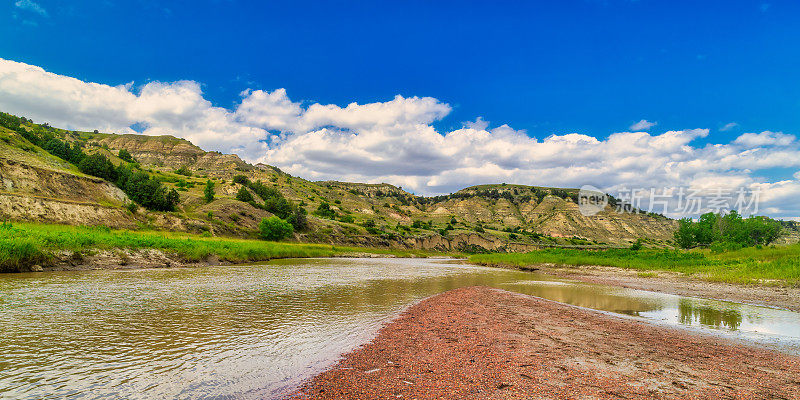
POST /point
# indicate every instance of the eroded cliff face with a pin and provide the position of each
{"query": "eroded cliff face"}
(39, 187)
(172, 153)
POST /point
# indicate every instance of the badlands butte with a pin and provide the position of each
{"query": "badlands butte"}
(40, 187)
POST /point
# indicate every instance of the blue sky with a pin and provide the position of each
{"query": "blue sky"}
(546, 68)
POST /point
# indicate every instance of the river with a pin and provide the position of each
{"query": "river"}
(257, 331)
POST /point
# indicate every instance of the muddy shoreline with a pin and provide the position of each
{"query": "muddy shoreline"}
(125, 259)
(480, 343)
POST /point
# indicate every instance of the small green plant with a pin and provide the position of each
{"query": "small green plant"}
(132, 207)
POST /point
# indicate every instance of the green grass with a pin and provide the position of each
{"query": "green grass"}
(766, 266)
(25, 244)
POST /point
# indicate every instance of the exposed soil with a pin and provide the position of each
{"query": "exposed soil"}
(480, 343)
(675, 283)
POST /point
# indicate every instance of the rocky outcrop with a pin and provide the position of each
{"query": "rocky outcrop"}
(172, 153)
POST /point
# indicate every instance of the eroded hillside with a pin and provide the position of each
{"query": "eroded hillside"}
(41, 187)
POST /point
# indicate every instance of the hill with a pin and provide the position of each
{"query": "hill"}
(39, 186)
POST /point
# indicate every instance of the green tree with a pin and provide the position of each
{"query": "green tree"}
(98, 165)
(274, 228)
(325, 211)
(244, 195)
(209, 191)
(241, 179)
(126, 156)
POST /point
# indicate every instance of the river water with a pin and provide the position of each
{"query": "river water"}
(257, 331)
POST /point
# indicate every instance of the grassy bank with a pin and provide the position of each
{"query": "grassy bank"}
(25, 244)
(773, 265)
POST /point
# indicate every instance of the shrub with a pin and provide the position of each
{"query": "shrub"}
(241, 179)
(208, 192)
(274, 228)
(126, 156)
(98, 165)
(325, 211)
(244, 195)
(183, 171)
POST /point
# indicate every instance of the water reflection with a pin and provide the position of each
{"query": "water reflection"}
(589, 296)
(705, 314)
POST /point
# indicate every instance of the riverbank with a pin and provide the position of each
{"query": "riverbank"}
(486, 343)
(777, 266)
(41, 247)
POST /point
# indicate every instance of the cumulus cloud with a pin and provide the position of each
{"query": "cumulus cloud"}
(395, 141)
(765, 138)
(642, 125)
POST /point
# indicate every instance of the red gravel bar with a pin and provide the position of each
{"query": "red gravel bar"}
(483, 343)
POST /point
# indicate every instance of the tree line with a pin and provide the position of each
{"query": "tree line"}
(729, 229)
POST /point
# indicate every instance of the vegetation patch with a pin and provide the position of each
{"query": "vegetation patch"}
(25, 244)
(759, 265)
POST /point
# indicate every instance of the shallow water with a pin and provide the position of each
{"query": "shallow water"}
(257, 331)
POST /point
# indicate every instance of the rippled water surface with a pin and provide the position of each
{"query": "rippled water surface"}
(257, 331)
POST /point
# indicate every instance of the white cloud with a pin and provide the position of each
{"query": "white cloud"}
(642, 125)
(394, 141)
(31, 6)
(729, 126)
(765, 138)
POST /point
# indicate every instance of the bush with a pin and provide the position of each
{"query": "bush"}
(126, 156)
(149, 193)
(274, 228)
(637, 245)
(244, 195)
(183, 171)
(98, 165)
(241, 179)
(325, 211)
(208, 192)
